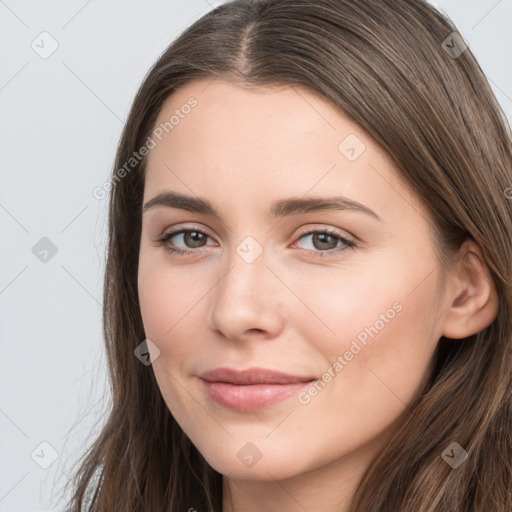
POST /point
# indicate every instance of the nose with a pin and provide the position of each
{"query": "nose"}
(247, 300)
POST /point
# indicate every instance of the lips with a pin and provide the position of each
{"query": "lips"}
(252, 389)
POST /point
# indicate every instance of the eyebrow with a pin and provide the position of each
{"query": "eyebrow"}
(279, 208)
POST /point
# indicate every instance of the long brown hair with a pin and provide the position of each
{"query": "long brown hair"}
(388, 66)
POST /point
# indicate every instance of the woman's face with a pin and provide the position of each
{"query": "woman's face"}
(353, 312)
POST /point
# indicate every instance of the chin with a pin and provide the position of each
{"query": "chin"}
(248, 460)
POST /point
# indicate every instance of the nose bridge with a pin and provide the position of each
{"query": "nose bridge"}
(245, 296)
(250, 250)
(247, 269)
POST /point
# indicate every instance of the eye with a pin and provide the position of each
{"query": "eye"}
(324, 241)
(191, 237)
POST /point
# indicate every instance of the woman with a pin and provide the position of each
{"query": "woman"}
(308, 285)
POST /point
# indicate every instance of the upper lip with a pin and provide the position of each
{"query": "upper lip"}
(252, 376)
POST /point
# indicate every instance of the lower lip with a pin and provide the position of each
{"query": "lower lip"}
(253, 397)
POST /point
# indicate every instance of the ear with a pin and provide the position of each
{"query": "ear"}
(473, 300)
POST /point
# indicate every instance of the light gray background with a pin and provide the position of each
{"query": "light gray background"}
(61, 118)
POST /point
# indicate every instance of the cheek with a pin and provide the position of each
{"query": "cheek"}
(375, 334)
(168, 305)
(344, 307)
(400, 355)
(392, 354)
(166, 301)
(374, 366)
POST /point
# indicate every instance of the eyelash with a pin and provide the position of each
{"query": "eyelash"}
(349, 244)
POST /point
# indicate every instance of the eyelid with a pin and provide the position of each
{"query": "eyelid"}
(180, 229)
(330, 229)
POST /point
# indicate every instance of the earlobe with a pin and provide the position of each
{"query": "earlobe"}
(474, 304)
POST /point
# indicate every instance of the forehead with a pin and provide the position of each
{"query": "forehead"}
(228, 116)
(218, 138)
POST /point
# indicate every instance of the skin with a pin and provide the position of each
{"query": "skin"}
(289, 310)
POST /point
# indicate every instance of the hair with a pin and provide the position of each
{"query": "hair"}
(383, 64)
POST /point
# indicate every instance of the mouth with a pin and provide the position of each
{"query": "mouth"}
(252, 389)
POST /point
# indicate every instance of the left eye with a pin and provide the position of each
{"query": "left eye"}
(324, 242)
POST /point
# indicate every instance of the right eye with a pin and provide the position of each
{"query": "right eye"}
(189, 236)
